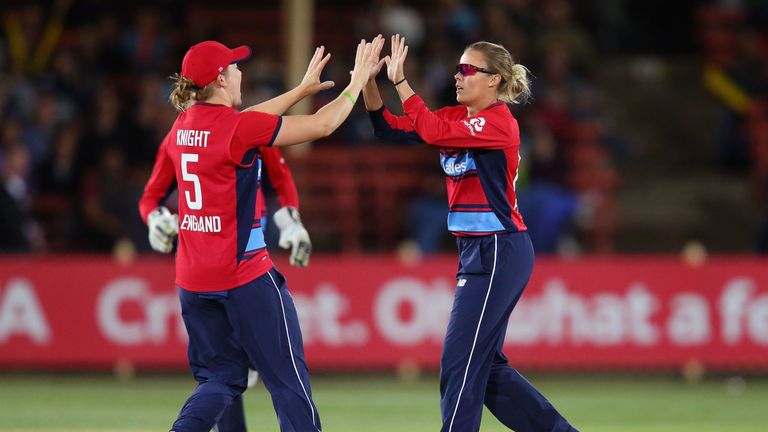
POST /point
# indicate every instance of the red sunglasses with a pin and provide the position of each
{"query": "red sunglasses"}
(469, 70)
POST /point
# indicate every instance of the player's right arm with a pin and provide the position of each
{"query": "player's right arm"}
(160, 184)
(163, 226)
(309, 86)
(303, 128)
(392, 128)
(386, 126)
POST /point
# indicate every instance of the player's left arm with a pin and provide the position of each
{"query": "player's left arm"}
(309, 86)
(486, 131)
(489, 131)
(280, 177)
(293, 235)
(386, 126)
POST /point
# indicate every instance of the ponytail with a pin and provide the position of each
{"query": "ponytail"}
(517, 89)
(185, 92)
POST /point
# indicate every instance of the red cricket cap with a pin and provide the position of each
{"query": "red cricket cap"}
(205, 61)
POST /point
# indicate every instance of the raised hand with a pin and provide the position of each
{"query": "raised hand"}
(311, 81)
(396, 59)
(377, 44)
(364, 63)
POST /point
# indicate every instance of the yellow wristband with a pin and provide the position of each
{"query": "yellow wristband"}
(350, 97)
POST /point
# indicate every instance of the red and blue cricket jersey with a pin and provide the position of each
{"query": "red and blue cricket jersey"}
(479, 156)
(214, 153)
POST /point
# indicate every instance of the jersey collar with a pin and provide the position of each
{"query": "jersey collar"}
(491, 106)
(208, 104)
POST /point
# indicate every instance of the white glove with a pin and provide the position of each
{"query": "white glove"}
(163, 229)
(253, 378)
(293, 235)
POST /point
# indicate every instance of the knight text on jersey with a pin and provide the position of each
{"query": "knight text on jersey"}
(192, 138)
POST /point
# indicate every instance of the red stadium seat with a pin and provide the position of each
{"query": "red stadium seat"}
(356, 198)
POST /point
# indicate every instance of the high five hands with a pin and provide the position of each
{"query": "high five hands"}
(396, 59)
(366, 60)
(367, 56)
(395, 62)
(376, 45)
(367, 64)
(311, 82)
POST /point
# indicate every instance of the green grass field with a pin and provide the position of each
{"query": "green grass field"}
(592, 403)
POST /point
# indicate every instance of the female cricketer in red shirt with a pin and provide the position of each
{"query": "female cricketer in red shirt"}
(235, 304)
(479, 145)
(164, 228)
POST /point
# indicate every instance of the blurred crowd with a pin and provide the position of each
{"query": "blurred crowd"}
(83, 106)
(83, 94)
(734, 43)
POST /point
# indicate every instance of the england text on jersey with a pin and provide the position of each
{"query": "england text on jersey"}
(201, 223)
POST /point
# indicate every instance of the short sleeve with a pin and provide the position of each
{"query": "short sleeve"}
(488, 129)
(254, 129)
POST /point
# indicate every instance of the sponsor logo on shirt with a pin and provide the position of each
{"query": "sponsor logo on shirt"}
(455, 166)
(470, 127)
(477, 123)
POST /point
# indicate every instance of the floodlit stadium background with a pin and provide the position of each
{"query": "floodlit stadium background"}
(644, 184)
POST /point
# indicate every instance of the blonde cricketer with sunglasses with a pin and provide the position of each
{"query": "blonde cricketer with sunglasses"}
(479, 143)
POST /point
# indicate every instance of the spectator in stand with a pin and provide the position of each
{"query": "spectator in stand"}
(548, 207)
(18, 231)
(31, 41)
(69, 82)
(149, 121)
(422, 213)
(108, 128)
(57, 202)
(39, 132)
(741, 88)
(108, 197)
(460, 21)
(556, 23)
(145, 44)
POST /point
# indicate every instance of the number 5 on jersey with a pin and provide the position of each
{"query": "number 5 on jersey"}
(194, 200)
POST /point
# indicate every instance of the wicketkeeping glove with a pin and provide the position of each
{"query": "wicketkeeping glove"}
(253, 378)
(163, 229)
(293, 235)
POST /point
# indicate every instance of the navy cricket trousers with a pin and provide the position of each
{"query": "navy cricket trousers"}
(253, 325)
(493, 272)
